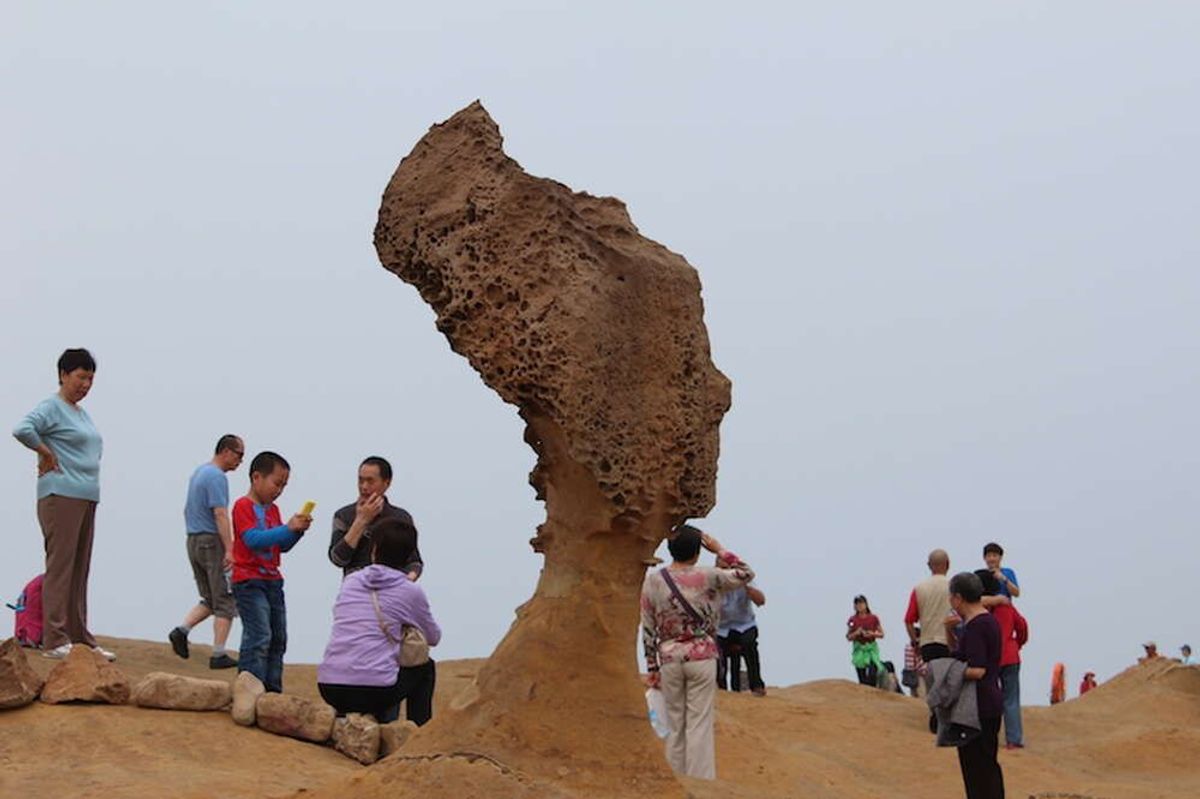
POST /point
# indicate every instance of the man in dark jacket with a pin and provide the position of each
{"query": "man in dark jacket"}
(350, 546)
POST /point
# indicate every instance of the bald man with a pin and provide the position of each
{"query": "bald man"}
(928, 607)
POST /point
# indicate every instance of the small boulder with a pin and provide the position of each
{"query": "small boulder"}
(246, 690)
(284, 714)
(19, 683)
(356, 736)
(176, 692)
(85, 676)
(394, 735)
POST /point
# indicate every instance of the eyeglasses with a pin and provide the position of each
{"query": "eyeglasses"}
(241, 453)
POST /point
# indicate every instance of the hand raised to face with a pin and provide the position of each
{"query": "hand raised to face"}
(369, 508)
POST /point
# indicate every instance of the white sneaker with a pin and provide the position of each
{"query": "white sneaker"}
(58, 652)
(109, 656)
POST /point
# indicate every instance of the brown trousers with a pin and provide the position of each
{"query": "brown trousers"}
(68, 525)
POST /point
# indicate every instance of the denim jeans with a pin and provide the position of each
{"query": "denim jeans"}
(264, 630)
(1010, 684)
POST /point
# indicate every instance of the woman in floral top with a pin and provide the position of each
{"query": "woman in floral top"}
(681, 605)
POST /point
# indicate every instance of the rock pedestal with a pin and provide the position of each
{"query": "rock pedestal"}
(596, 334)
(85, 676)
(176, 692)
(295, 716)
(19, 683)
(356, 735)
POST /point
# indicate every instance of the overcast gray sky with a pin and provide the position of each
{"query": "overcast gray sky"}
(949, 256)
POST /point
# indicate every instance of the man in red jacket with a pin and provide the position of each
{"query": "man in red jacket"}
(1014, 632)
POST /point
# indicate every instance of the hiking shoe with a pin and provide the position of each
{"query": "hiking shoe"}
(58, 652)
(759, 691)
(1014, 746)
(179, 644)
(109, 656)
(221, 661)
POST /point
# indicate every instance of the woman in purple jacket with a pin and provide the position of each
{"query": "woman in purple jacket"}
(359, 672)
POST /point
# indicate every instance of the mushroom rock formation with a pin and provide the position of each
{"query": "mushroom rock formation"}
(596, 334)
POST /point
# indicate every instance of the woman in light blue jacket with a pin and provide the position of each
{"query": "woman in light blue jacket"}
(68, 447)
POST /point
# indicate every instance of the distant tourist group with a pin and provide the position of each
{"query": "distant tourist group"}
(378, 650)
(966, 635)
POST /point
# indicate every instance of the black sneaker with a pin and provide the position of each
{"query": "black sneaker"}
(179, 642)
(221, 661)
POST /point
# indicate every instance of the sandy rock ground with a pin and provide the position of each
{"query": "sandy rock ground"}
(1136, 737)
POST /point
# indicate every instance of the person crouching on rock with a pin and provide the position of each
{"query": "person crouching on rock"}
(680, 608)
(360, 671)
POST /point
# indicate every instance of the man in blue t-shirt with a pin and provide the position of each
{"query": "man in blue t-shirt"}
(993, 553)
(209, 548)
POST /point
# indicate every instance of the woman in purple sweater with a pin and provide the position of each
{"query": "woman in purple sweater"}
(359, 672)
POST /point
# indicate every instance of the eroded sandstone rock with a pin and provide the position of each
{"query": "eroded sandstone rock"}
(19, 683)
(85, 676)
(295, 716)
(394, 735)
(246, 690)
(356, 735)
(566, 311)
(597, 335)
(176, 692)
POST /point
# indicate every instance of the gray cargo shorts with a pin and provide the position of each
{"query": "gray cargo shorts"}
(207, 554)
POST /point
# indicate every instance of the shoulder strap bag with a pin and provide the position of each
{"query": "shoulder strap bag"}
(413, 648)
(702, 627)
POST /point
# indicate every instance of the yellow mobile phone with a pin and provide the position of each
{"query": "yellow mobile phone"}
(307, 508)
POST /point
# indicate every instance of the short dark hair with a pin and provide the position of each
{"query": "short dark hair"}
(385, 468)
(968, 586)
(993, 547)
(264, 463)
(74, 359)
(227, 441)
(991, 586)
(393, 543)
(685, 545)
(863, 599)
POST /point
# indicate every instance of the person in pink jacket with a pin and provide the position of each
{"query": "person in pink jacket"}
(359, 672)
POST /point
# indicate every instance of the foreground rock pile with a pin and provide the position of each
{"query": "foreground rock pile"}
(86, 676)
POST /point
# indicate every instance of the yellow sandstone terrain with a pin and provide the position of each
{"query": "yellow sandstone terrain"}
(1135, 737)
